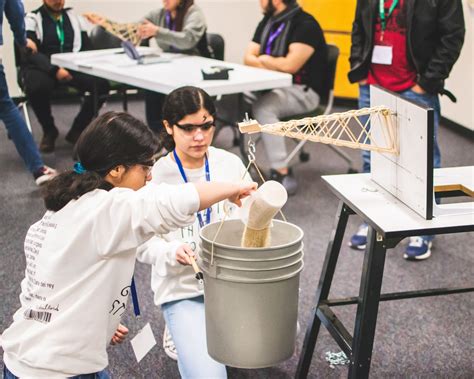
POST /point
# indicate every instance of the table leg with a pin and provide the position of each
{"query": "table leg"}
(324, 285)
(368, 304)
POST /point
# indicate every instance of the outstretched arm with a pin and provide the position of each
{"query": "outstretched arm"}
(213, 192)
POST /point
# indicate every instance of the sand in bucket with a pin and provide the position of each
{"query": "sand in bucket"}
(258, 212)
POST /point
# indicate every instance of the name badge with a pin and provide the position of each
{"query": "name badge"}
(382, 55)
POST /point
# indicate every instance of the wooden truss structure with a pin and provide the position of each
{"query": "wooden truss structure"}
(125, 32)
(349, 129)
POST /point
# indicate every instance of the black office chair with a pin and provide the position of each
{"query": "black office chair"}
(102, 39)
(216, 45)
(324, 108)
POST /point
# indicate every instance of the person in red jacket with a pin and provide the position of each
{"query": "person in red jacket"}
(408, 47)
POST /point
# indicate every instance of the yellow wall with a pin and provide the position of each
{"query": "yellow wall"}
(335, 17)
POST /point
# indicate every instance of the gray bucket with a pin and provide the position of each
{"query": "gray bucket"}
(251, 295)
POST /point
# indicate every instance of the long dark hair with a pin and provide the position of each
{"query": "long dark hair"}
(112, 139)
(180, 103)
(181, 11)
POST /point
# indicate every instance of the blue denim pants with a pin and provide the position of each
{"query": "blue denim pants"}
(17, 129)
(97, 375)
(187, 325)
(428, 100)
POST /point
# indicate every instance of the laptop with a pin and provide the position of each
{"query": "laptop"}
(143, 58)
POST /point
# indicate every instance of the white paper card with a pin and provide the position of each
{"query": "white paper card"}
(382, 55)
(143, 342)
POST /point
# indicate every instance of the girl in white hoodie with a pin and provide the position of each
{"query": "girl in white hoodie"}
(189, 116)
(80, 256)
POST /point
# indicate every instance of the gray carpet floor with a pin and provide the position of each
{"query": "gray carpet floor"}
(417, 338)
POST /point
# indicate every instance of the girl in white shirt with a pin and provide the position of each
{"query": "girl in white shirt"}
(80, 256)
(189, 116)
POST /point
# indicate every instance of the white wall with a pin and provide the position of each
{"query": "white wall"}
(461, 80)
(235, 20)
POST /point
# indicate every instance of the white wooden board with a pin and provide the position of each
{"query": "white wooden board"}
(409, 175)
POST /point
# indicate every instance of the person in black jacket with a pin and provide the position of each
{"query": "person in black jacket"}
(54, 29)
(408, 47)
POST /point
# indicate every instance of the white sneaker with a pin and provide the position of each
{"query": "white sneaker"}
(44, 174)
(168, 344)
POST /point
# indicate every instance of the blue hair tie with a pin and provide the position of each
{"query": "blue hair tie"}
(79, 168)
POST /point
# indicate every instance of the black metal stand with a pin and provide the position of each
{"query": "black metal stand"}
(358, 347)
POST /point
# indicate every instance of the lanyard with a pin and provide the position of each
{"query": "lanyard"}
(168, 21)
(59, 31)
(133, 291)
(383, 20)
(208, 178)
(273, 36)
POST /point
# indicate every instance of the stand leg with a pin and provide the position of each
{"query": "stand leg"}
(324, 286)
(367, 309)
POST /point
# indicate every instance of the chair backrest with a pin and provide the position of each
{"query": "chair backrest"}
(102, 39)
(330, 77)
(216, 45)
(333, 55)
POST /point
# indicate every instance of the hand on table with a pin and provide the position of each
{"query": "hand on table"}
(63, 75)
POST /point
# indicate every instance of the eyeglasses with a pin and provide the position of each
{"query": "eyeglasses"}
(147, 166)
(190, 128)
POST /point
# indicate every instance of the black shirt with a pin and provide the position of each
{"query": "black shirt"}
(305, 29)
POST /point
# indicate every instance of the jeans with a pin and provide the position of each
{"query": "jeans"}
(429, 100)
(17, 129)
(7, 374)
(186, 323)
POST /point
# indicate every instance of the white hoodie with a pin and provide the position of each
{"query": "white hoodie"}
(170, 280)
(79, 265)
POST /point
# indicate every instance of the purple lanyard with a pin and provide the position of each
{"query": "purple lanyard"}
(168, 22)
(273, 36)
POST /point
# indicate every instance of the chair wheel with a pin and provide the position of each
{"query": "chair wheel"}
(304, 156)
(352, 171)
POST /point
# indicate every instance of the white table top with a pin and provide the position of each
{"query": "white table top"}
(182, 70)
(391, 217)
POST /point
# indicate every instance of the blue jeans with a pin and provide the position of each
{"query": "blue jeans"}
(428, 100)
(97, 375)
(187, 325)
(17, 129)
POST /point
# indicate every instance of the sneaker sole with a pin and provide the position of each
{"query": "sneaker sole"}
(417, 257)
(356, 247)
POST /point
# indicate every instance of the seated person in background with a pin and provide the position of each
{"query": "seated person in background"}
(178, 27)
(287, 40)
(54, 29)
(189, 116)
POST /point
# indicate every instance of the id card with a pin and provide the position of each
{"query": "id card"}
(382, 55)
(143, 342)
